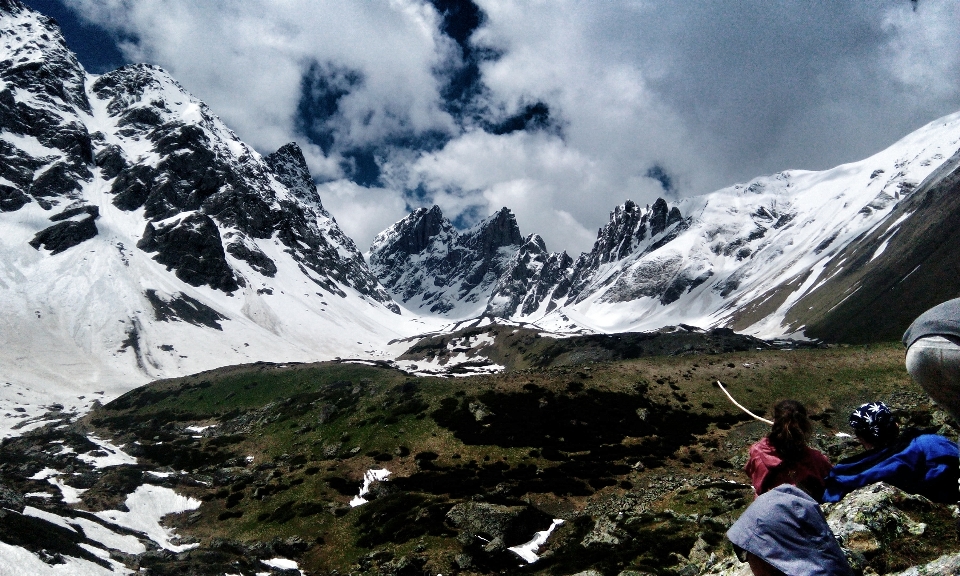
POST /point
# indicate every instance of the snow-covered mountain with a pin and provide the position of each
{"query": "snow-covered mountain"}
(750, 255)
(779, 255)
(140, 238)
(491, 269)
(876, 285)
(432, 268)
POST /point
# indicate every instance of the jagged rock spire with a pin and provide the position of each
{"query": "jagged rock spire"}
(497, 231)
(291, 169)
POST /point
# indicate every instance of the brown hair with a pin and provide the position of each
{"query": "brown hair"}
(791, 429)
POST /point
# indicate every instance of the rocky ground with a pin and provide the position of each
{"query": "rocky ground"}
(639, 458)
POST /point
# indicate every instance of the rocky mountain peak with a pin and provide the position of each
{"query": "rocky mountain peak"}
(629, 226)
(534, 244)
(498, 231)
(290, 167)
(11, 6)
(417, 231)
(425, 263)
(494, 262)
(631, 231)
(423, 232)
(658, 216)
(533, 279)
(140, 87)
(36, 58)
(164, 245)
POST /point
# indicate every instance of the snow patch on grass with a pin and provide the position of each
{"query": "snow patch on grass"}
(16, 560)
(528, 551)
(113, 455)
(282, 564)
(147, 506)
(369, 478)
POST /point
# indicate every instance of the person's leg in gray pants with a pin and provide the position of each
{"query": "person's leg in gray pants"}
(934, 363)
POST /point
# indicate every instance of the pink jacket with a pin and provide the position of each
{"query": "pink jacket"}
(767, 470)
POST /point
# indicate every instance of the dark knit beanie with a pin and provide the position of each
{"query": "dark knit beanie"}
(875, 423)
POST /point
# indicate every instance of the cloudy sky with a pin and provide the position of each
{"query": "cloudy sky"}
(558, 109)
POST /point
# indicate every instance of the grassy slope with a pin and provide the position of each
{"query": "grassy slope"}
(567, 440)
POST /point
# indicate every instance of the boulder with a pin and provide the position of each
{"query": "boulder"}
(946, 564)
(605, 533)
(868, 519)
(514, 525)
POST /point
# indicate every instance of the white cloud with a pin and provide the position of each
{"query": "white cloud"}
(711, 92)
(538, 176)
(361, 212)
(246, 59)
(924, 51)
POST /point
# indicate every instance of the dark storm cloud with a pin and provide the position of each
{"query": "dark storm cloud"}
(530, 117)
(459, 20)
(656, 172)
(321, 88)
(753, 76)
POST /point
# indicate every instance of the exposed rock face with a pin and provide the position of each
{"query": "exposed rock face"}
(49, 85)
(427, 264)
(192, 247)
(198, 171)
(533, 277)
(513, 525)
(69, 231)
(632, 231)
(162, 151)
(12, 199)
(181, 307)
(291, 169)
(252, 255)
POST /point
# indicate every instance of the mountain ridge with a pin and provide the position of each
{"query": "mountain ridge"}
(742, 257)
(135, 223)
(141, 238)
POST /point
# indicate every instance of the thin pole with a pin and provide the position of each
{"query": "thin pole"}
(740, 406)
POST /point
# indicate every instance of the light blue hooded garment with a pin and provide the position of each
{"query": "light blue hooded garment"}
(785, 528)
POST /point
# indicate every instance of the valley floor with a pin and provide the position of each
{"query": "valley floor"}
(253, 469)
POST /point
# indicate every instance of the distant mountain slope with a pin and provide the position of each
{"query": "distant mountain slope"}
(492, 269)
(775, 256)
(896, 271)
(140, 238)
(431, 267)
(764, 257)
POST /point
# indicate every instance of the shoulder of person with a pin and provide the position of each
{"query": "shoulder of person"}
(937, 442)
(817, 455)
(762, 445)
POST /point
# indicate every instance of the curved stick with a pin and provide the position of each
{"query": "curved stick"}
(740, 406)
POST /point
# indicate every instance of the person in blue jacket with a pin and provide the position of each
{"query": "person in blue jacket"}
(917, 463)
